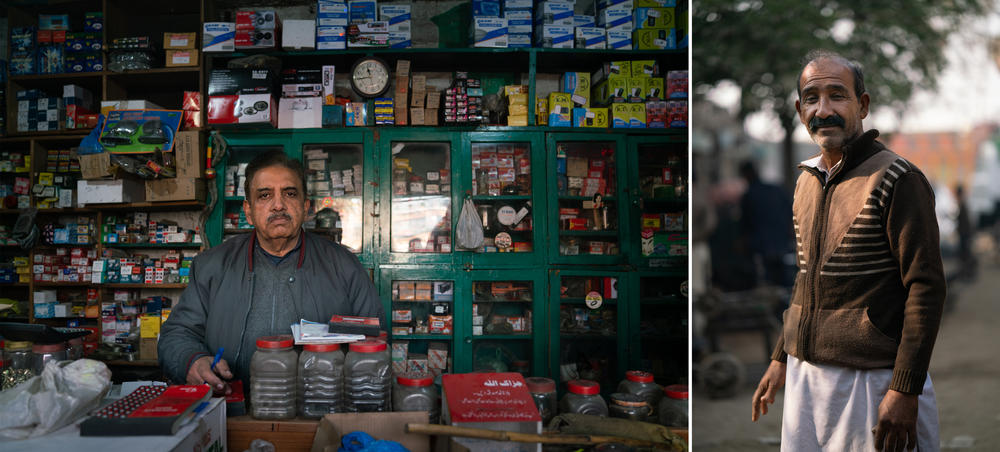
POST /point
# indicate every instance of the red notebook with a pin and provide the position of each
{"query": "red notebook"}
(149, 410)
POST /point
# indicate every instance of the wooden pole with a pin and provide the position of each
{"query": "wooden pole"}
(499, 435)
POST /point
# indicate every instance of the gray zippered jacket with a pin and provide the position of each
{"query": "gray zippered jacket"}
(213, 309)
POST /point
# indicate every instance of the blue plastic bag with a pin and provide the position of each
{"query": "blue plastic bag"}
(91, 143)
(363, 442)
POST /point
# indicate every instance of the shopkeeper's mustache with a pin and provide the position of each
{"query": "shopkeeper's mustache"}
(277, 215)
(817, 122)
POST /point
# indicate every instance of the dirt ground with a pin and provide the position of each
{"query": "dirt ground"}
(965, 369)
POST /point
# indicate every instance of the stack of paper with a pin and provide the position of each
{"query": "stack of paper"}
(306, 332)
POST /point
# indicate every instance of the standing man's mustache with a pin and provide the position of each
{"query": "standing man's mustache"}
(817, 122)
(277, 215)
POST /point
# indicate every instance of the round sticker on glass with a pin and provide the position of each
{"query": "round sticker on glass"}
(503, 240)
(506, 215)
(594, 300)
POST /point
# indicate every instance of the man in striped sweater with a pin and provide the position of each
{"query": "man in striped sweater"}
(868, 297)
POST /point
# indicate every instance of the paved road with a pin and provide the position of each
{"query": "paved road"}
(965, 370)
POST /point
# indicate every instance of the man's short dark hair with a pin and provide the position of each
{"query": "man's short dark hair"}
(821, 54)
(275, 157)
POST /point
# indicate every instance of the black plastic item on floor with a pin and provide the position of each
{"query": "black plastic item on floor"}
(38, 333)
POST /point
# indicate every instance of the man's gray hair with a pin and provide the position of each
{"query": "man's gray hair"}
(823, 54)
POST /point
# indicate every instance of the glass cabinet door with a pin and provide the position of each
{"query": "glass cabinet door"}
(422, 318)
(661, 321)
(335, 184)
(420, 198)
(501, 189)
(661, 217)
(587, 216)
(503, 325)
(589, 327)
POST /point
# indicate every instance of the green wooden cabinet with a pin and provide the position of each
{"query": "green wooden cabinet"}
(412, 187)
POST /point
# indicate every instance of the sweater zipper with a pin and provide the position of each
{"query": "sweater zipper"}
(808, 318)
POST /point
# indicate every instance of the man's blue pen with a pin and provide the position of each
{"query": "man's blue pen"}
(218, 357)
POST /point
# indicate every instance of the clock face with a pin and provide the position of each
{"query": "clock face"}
(370, 77)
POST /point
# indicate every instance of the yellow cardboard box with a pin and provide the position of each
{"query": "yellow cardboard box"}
(637, 115)
(590, 117)
(560, 110)
(621, 116)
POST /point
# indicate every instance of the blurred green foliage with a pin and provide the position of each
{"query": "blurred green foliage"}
(760, 45)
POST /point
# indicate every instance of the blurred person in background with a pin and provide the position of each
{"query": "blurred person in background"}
(965, 232)
(868, 298)
(766, 221)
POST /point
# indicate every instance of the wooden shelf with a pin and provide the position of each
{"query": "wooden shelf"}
(62, 284)
(17, 284)
(187, 245)
(143, 286)
(67, 211)
(152, 206)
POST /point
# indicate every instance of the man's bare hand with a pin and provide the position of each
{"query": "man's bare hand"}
(770, 383)
(200, 372)
(897, 422)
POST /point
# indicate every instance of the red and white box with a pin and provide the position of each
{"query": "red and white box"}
(493, 401)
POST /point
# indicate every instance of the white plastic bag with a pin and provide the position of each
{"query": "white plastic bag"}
(62, 394)
(470, 227)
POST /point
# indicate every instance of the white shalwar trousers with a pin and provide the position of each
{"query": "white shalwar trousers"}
(833, 409)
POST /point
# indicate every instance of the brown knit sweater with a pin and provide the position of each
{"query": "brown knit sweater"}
(870, 288)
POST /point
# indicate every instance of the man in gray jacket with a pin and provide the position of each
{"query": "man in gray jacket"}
(260, 283)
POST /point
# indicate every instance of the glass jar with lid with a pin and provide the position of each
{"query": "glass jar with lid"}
(641, 384)
(543, 391)
(673, 410)
(584, 397)
(628, 406)
(19, 366)
(415, 391)
(272, 378)
(43, 353)
(320, 380)
(367, 377)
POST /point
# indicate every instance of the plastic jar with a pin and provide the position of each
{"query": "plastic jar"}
(19, 366)
(543, 391)
(321, 380)
(272, 378)
(74, 348)
(367, 377)
(628, 406)
(43, 353)
(674, 407)
(584, 397)
(641, 384)
(415, 391)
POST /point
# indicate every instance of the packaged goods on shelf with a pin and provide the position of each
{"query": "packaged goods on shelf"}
(180, 40)
(590, 117)
(362, 11)
(621, 116)
(400, 40)
(517, 5)
(635, 89)
(397, 16)
(330, 13)
(368, 34)
(298, 35)
(542, 110)
(677, 113)
(577, 85)
(554, 13)
(53, 21)
(384, 111)
(218, 36)
(257, 29)
(560, 110)
(110, 191)
(23, 38)
(518, 40)
(654, 39)
(653, 88)
(655, 18)
(582, 20)
(181, 58)
(356, 114)
(604, 4)
(677, 84)
(637, 115)
(331, 37)
(50, 59)
(140, 131)
(519, 22)
(23, 62)
(83, 62)
(301, 82)
(554, 36)
(300, 112)
(489, 32)
(83, 42)
(590, 38)
(486, 8)
(613, 89)
(656, 114)
(93, 21)
(615, 19)
(644, 68)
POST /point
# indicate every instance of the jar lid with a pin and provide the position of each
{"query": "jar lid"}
(584, 387)
(48, 348)
(282, 341)
(17, 345)
(321, 347)
(368, 346)
(679, 392)
(639, 376)
(629, 400)
(540, 384)
(415, 379)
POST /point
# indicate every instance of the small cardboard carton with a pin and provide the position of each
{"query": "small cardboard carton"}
(385, 426)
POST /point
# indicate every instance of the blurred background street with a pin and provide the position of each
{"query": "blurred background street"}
(933, 72)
